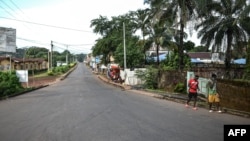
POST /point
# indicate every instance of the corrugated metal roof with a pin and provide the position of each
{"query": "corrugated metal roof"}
(201, 55)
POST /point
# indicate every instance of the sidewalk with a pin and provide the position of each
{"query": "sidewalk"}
(162, 95)
(180, 98)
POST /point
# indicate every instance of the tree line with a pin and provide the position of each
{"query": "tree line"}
(221, 25)
(44, 53)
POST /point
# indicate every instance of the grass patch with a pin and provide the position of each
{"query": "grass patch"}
(41, 74)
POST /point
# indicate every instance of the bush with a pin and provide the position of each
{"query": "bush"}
(149, 77)
(61, 69)
(50, 73)
(9, 83)
(180, 88)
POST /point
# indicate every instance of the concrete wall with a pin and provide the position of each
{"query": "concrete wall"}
(234, 97)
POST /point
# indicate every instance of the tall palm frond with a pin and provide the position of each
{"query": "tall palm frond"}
(222, 26)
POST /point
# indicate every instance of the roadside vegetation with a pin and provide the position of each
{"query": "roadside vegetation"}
(222, 26)
(10, 85)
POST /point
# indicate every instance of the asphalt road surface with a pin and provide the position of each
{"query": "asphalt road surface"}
(83, 108)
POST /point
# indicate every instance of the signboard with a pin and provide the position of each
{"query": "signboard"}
(215, 57)
(7, 39)
(23, 75)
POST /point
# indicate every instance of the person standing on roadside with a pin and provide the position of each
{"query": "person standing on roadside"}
(193, 86)
(213, 96)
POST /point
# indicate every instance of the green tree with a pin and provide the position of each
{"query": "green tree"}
(171, 61)
(247, 69)
(36, 52)
(141, 20)
(224, 16)
(112, 35)
(134, 54)
(81, 57)
(101, 25)
(111, 32)
(189, 45)
(180, 11)
(199, 49)
(160, 36)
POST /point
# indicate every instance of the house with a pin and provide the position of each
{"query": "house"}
(206, 57)
(152, 51)
(9, 63)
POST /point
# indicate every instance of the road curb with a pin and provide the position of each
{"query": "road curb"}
(42, 86)
(179, 99)
(124, 87)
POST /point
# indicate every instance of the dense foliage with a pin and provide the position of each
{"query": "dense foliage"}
(222, 26)
(149, 77)
(9, 83)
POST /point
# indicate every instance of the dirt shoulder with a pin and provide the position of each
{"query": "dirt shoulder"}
(35, 82)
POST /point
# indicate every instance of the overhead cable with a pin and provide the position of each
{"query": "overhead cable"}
(47, 25)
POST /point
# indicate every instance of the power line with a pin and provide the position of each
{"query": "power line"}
(55, 46)
(7, 5)
(17, 14)
(17, 6)
(33, 41)
(7, 11)
(71, 47)
(72, 44)
(47, 25)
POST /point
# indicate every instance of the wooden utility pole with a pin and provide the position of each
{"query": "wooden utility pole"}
(51, 57)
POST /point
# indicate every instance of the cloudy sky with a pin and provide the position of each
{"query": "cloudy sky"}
(65, 22)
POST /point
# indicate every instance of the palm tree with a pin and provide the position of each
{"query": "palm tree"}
(222, 26)
(141, 20)
(245, 24)
(178, 11)
(160, 30)
(100, 25)
(161, 35)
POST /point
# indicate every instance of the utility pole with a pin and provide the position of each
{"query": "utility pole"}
(67, 56)
(51, 57)
(48, 61)
(10, 63)
(124, 47)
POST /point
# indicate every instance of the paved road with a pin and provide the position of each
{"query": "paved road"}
(83, 108)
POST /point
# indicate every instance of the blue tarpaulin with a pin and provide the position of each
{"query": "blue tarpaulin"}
(193, 60)
(161, 57)
(240, 61)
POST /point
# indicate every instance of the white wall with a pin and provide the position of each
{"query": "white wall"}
(129, 76)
